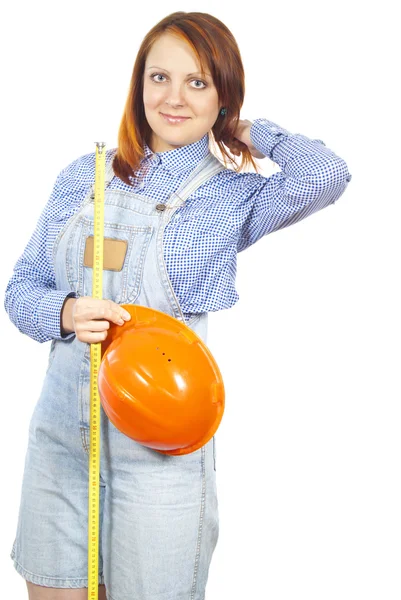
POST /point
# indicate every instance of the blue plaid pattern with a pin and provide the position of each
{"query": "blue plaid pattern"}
(226, 215)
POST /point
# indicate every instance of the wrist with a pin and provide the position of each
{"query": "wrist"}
(66, 320)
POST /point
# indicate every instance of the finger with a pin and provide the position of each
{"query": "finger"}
(120, 312)
(102, 312)
(88, 302)
(116, 315)
(98, 325)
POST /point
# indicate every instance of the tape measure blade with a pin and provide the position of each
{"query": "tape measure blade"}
(95, 358)
(98, 225)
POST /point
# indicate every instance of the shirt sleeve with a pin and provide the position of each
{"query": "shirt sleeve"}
(312, 176)
(31, 299)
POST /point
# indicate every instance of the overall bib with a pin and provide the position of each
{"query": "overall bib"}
(158, 513)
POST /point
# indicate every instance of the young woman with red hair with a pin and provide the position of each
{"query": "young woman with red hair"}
(183, 216)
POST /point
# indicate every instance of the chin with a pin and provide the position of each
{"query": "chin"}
(176, 142)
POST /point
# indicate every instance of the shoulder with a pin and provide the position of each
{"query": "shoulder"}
(81, 171)
(72, 184)
(242, 184)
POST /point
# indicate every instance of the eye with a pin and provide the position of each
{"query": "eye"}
(199, 81)
(156, 75)
(155, 78)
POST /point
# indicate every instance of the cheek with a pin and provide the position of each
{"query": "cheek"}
(208, 103)
(208, 108)
(152, 97)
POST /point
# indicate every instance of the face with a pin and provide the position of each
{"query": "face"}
(173, 86)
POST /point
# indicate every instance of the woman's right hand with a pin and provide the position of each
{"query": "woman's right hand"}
(90, 318)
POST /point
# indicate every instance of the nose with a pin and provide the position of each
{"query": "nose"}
(175, 96)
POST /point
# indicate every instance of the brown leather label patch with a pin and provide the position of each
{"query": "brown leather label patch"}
(114, 252)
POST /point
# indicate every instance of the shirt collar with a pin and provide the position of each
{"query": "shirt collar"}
(180, 159)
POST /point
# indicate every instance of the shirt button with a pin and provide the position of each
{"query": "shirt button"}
(160, 207)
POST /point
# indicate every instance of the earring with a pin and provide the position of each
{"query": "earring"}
(223, 111)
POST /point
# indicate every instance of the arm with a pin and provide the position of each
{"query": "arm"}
(32, 301)
(312, 177)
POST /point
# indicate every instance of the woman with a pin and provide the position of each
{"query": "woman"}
(180, 217)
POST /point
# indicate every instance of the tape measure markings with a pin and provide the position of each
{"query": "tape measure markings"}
(95, 358)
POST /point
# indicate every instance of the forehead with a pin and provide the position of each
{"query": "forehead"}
(173, 54)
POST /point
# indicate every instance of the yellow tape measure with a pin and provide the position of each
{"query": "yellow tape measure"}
(95, 358)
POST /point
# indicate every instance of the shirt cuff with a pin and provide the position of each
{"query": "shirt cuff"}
(265, 135)
(49, 314)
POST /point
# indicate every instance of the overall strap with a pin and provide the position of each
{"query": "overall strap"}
(208, 167)
(109, 174)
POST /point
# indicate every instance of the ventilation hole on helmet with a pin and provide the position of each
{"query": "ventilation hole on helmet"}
(164, 353)
(157, 348)
(169, 360)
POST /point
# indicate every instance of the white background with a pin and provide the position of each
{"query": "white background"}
(308, 452)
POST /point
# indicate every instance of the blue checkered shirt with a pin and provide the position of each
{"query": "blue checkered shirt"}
(226, 215)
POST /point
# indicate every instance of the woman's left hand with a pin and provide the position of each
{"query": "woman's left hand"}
(242, 135)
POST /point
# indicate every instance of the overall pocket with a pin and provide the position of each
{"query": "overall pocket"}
(123, 284)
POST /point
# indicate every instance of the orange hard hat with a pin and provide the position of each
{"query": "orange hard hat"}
(159, 383)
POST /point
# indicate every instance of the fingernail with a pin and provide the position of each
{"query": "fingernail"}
(127, 316)
(121, 322)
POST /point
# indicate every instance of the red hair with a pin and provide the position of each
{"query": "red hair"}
(215, 48)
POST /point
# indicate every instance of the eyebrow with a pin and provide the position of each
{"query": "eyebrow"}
(189, 74)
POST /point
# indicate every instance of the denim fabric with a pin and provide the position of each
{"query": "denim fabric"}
(158, 513)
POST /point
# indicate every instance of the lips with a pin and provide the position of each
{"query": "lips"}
(174, 119)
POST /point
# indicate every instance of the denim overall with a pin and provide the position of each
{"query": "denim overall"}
(158, 513)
